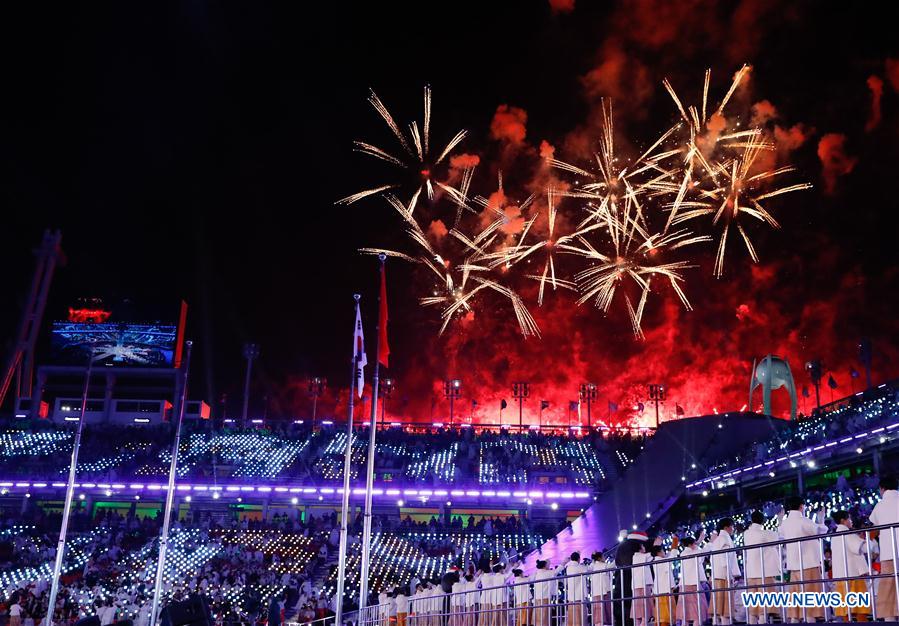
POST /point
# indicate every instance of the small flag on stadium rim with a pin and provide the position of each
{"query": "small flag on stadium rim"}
(612, 407)
(474, 402)
(831, 382)
(805, 393)
(544, 404)
(383, 346)
(359, 352)
(853, 372)
(572, 405)
(640, 407)
(678, 409)
(503, 404)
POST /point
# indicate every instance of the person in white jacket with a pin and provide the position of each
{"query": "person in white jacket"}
(521, 591)
(887, 512)
(803, 557)
(402, 605)
(471, 598)
(762, 565)
(641, 588)
(574, 590)
(435, 603)
(545, 591)
(417, 606)
(692, 606)
(664, 584)
(601, 589)
(848, 561)
(384, 608)
(457, 602)
(725, 570)
(492, 595)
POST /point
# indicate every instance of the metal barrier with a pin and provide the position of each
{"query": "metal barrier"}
(605, 595)
(322, 621)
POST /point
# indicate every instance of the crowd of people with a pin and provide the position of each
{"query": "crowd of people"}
(242, 567)
(238, 567)
(678, 578)
(33, 449)
(855, 416)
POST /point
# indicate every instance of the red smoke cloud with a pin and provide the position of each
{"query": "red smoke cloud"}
(763, 112)
(437, 230)
(618, 76)
(509, 124)
(561, 6)
(547, 151)
(834, 160)
(875, 84)
(704, 356)
(792, 138)
(892, 71)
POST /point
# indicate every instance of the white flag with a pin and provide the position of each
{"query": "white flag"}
(359, 352)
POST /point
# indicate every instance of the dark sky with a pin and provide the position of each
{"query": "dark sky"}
(194, 150)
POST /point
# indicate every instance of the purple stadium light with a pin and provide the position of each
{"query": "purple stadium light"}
(380, 491)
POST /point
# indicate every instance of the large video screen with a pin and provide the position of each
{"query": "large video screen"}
(144, 345)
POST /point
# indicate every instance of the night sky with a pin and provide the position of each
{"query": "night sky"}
(195, 151)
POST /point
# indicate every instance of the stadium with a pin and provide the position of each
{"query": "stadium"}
(319, 317)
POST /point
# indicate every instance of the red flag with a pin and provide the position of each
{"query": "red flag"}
(678, 409)
(383, 346)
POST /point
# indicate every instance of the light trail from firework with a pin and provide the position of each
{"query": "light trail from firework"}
(458, 285)
(718, 171)
(740, 193)
(415, 155)
(627, 253)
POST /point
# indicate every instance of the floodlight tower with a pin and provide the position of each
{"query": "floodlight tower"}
(452, 389)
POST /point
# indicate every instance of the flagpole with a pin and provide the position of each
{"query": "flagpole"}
(170, 494)
(70, 493)
(347, 461)
(370, 471)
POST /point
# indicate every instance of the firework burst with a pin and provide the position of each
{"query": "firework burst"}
(415, 154)
(721, 174)
(739, 193)
(629, 227)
